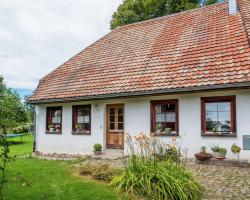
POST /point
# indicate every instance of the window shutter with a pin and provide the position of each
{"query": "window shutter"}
(74, 117)
(203, 115)
(49, 111)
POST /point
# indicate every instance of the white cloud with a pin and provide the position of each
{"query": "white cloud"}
(38, 36)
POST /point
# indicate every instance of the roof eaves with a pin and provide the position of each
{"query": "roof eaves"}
(168, 91)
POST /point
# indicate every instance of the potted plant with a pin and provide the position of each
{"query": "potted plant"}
(97, 149)
(219, 152)
(158, 129)
(167, 131)
(58, 113)
(78, 128)
(58, 128)
(203, 155)
(236, 150)
(51, 128)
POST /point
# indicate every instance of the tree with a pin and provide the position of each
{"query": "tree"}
(131, 11)
(209, 2)
(5, 158)
(30, 110)
(12, 110)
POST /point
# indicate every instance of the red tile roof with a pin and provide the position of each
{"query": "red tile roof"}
(205, 47)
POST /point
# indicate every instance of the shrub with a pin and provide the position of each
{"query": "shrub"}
(235, 148)
(203, 149)
(101, 171)
(157, 180)
(149, 178)
(22, 128)
(51, 126)
(219, 149)
(97, 147)
(148, 147)
(223, 150)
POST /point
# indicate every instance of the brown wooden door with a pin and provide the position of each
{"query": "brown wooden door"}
(115, 126)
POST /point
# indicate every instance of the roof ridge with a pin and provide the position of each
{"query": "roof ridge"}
(172, 15)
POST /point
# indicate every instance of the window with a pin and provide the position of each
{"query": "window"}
(115, 118)
(54, 120)
(218, 115)
(81, 119)
(164, 117)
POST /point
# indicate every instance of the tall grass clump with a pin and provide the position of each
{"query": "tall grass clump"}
(149, 177)
(100, 171)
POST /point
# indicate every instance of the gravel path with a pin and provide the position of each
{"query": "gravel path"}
(220, 182)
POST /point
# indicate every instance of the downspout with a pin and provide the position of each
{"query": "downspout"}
(34, 144)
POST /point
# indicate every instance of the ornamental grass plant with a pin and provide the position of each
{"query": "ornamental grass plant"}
(100, 171)
(148, 177)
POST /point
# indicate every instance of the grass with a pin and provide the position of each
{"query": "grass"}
(22, 147)
(32, 178)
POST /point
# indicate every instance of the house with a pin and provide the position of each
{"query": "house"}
(185, 75)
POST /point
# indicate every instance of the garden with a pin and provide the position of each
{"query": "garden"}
(156, 170)
(144, 177)
(33, 178)
(85, 178)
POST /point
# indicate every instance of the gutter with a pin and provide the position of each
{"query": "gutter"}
(168, 91)
(34, 143)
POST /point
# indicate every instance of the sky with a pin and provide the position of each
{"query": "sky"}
(38, 36)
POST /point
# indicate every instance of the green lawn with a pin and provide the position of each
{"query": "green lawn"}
(31, 178)
(22, 147)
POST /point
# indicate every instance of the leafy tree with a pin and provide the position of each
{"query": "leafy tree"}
(12, 110)
(30, 110)
(131, 11)
(209, 2)
(4, 158)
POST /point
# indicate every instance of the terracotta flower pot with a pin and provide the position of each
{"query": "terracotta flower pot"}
(219, 156)
(203, 156)
(98, 152)
(51, 129)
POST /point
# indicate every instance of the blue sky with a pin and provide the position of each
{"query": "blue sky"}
(23, 92)
(38, 36)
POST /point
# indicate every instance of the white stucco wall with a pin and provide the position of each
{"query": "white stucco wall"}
(137, 120)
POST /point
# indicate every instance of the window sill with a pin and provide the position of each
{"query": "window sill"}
(209, 134)
(166, 135)
(79, 133)
(53, 133)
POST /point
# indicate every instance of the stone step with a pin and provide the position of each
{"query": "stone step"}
(110, 154)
